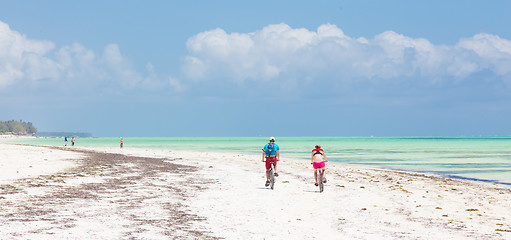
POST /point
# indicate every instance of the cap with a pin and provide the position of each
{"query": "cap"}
(272, 139)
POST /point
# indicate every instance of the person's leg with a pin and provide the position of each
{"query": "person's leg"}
(267, 167)
(316, 176)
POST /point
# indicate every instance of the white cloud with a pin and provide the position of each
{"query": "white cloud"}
(76, 62)
(275, 52)
(278, 51)
(27, 62)
(194, 68)
(21, 58)
(118, 68)
(176, 84)
(493, 52)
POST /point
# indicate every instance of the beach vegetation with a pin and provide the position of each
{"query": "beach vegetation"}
(17, 127)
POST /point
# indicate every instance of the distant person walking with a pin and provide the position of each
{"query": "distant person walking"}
(122, 141)
(65, 141)
(72, 141)
(317, 161)
(271, 152)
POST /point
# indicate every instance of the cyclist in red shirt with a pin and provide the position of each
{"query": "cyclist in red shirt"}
(271, 152)
(317, 161)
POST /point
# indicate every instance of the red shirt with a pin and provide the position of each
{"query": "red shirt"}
(317, 149)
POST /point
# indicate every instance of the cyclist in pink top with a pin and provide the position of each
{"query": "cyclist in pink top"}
(317, 161)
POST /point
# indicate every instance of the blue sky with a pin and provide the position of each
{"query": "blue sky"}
(281, 68)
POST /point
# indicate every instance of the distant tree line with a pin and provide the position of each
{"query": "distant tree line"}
(17, 127)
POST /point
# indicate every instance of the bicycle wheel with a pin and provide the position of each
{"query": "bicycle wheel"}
(320, 180)
(272, 177)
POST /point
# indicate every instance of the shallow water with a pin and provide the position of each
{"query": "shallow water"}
(482, 158)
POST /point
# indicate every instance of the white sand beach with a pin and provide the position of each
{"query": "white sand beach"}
(130, 193)
(17, 162)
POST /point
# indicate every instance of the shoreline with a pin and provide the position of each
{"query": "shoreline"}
(429, 174)
(11, 136)
(222, 195)
(488, 173)
(255, 156)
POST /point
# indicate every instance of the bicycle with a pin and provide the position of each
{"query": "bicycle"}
(320, 178)
(272, 175)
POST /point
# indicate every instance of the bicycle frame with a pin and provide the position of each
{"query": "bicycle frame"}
(320, 177)
(272, 175)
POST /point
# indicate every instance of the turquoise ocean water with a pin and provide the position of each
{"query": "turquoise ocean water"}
(481, 158)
